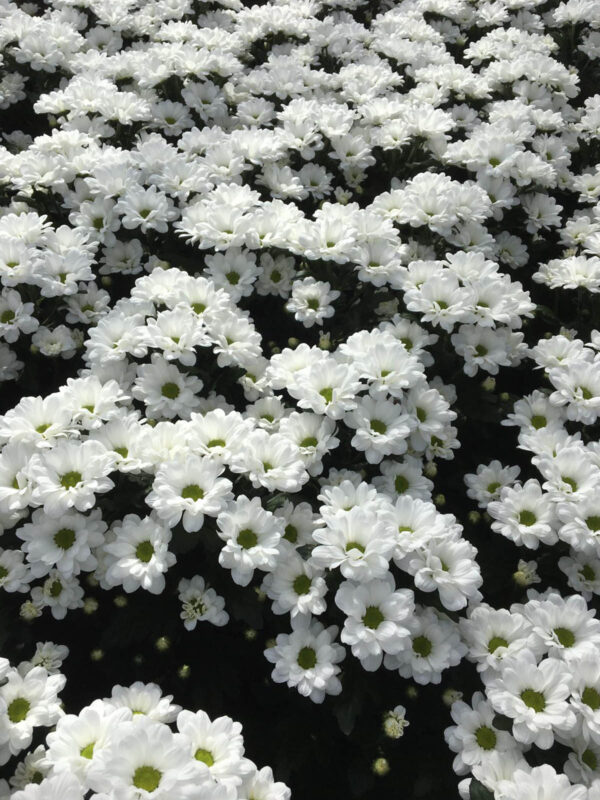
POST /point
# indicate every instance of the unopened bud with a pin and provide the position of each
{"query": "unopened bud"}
(381, 766)
(97, 654)
(162, 644)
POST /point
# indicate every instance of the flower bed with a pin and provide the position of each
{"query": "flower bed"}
(299, 334)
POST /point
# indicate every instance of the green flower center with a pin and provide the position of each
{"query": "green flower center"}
(312, 303)
(192, 492)
(421, 414)
(144, 551)
(570, 482)
(307, 658)
(70, 479)
(56, 588)
(533, 699)
(64, 538)
(591, 697)
(216, 443)
(302, 584)
(539, 421)
(88, 750)
(291, 534)
(372, 617)
(37, 777)
(268, 417)
(275, 276)
(481, 350)
(170, 390)
(327, 394)
(408, 343)
(485, 738)
(7, 316)
(122, 451)
(589, 759)
(18, 709)
(378, 426)
(3, 572)
(233, 277)
(247, 538)
(42, 428)
(205, 756)
(355, 546)
(587, 573)
(144, 214)
(495, 642)
(565, 636)
(401, 484)
(422, 646)
(147, 778)
(585, 393)
(493, 487)
(198, 307)
(309, 441)
(527, 518)
(593, 523)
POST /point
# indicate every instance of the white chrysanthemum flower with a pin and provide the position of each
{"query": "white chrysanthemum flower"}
(166, 391)
(252, 537)
(78, 739)
(375, 614)
(270, 460)
(360, 543)
(64, 542)
(488, 481)
(138, 555)
(59, 593)
(474, 737)
(382, 428)
(200, 603)
(307, 659)
(433, 646)
(562, 627)
(542, 782)
(147, 761)
(37, 420)
(525, 515)
(295, 586)
(188, 489)
(535, 697)
(261, 784)
(144, 699)
(31, 700)
(311, 300)
(69, 475)
(493, 635)
(216, 743)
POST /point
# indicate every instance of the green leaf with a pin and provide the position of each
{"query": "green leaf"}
(477, 791)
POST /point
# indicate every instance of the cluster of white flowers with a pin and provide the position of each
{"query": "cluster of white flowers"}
(541, 674)
(122, 746)
(253, 252)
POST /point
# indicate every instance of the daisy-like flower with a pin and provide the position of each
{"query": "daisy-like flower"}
(146, 208)
(261, 785)
(270, 460)
(138, 555)
(534, 696)
(78, 739)
(36, 420)
(216, 743)
(144, 700)
(473, 736)
(493, 635)
(360, 543)
(251, 535)
(47, 655)
(64, 542)
(69, 475)
(200, 603)
(188, 489)
(525, 515)
(488, 481)
(307, 659)
(59, 593)
(147, 761)
(433, 646)
(375, 614)
(382, 428)
(543, 783)
(311, 300)
(176, 332)
(166, 391)
(562, 627)
(295, 586)
(15, 316)
(31, 700)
